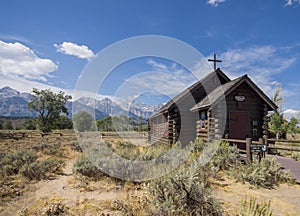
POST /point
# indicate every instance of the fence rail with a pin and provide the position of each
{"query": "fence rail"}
(261, 147)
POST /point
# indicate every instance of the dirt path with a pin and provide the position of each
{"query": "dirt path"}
(62, 188)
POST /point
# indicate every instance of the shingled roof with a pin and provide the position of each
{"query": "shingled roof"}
(226, 89)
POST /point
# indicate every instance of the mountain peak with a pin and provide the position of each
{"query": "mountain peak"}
(7, 92)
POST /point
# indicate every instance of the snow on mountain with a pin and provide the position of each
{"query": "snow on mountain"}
(15, 104)
(290, 113)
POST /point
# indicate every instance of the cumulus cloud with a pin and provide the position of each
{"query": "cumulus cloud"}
(215, 3)
(80, 51)
(291, 2)
(18, 60)
(261, 63)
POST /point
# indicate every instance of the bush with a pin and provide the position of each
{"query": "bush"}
(184, 193)
(11, 163)
(226, 157)
(252, 208)
(127, 150)
(25, 163)
(84, 167)
(47, 149)
(39, 169)
(153, 152)
(266, 173)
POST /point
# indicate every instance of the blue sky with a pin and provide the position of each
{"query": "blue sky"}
(47, 44)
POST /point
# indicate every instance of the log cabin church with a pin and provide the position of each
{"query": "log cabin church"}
(214, 107)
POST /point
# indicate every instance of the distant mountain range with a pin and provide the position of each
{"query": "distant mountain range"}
(15, 104)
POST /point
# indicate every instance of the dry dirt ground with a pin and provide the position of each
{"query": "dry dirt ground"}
(285, 199)
(65, 188)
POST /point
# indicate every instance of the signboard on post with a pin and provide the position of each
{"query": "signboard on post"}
(258, 148)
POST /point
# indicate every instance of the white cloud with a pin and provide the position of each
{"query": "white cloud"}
(259, 62)
(167, 79)
(157, 66)
(23, 85)
(17, 60)
(291, 2)
(174, 70)
(14, 38)
(80, 51)
(215, 3)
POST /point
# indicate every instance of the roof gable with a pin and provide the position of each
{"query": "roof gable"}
(227, 88)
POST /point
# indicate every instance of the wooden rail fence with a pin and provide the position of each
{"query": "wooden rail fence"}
(263, 146)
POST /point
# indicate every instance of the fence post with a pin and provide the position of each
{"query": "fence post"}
(265, 137)
(261, 142)
(248, 149)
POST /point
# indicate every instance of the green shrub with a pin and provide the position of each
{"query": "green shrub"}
(84, 167)
(226, 157)
(266, 173)
(153, 151)
(25, 163)
(11, 163)
(252, 208)
(127, 150)
(39, 169)
(185, 191)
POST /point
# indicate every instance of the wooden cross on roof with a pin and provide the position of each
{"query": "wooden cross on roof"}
(215, 61)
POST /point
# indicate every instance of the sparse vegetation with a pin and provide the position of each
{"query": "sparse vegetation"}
(184, 191)
(26, 163)
(188, 190)
(225, 158)
(12, 163)
(39, 169)
(253, 208)
(84, 167)
(266, 173)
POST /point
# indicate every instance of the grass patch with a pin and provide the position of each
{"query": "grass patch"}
(253, 208)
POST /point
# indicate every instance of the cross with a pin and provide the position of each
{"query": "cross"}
(215, 61)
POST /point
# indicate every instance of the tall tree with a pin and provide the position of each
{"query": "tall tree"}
(49, 106)
(277, 121)
(292, 128)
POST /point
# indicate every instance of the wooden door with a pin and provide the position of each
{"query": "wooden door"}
(238, 125)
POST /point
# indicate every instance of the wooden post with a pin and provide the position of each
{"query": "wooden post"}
(266, 143)
(248, 149)
(261, 142)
